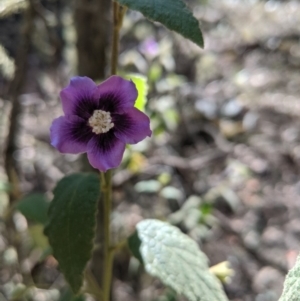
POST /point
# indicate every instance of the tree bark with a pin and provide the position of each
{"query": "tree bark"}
(93, 27)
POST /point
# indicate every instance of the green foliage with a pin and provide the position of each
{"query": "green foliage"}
(176, 260)
(9, 7)
(291, 290)
(170, 295)
(142, 87)
(38, 237)
(67, 295)
(34, 207)
(174, 14)
(71, 224)
(134, 244)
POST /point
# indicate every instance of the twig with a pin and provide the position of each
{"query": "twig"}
(190, 164)
(14, 92)
(226, 225)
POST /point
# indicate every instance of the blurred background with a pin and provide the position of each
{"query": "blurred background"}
(223, 162)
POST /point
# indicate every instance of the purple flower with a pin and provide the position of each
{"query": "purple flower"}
(99, 120)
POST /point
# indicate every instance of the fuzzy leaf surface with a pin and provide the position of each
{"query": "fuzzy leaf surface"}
(291, 289)
(177, 261)
(71, 226)
(173, 14)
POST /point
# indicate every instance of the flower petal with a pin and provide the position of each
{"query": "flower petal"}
(70, 134)
(78, 98)
(116, 95)
(132, 126)
(105, 151)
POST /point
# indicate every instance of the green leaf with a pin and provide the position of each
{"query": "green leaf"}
(34, 207)
(291, 289)
(142, 87)
(38, 237)
(71, 226)
(67, 295)
(169, 295)
(177, 261)
(134, 244)
(174, 14)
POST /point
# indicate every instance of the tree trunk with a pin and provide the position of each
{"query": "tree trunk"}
(93, 26)
(92, 20)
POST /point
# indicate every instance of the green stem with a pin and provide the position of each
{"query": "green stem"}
(108, 255)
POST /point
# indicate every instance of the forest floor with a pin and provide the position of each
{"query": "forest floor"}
(224, 160)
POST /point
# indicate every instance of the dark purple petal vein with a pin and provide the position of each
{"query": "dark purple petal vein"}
(70, 134)
(105, 151)
(116, 95)
(78, 98)
(132, 126)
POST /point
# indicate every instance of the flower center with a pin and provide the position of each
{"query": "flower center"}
(100, 122)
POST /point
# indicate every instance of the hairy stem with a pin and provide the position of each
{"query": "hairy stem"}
(108, 255)
(118, 14)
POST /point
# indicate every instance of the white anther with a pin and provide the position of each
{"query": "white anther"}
(101, 122)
